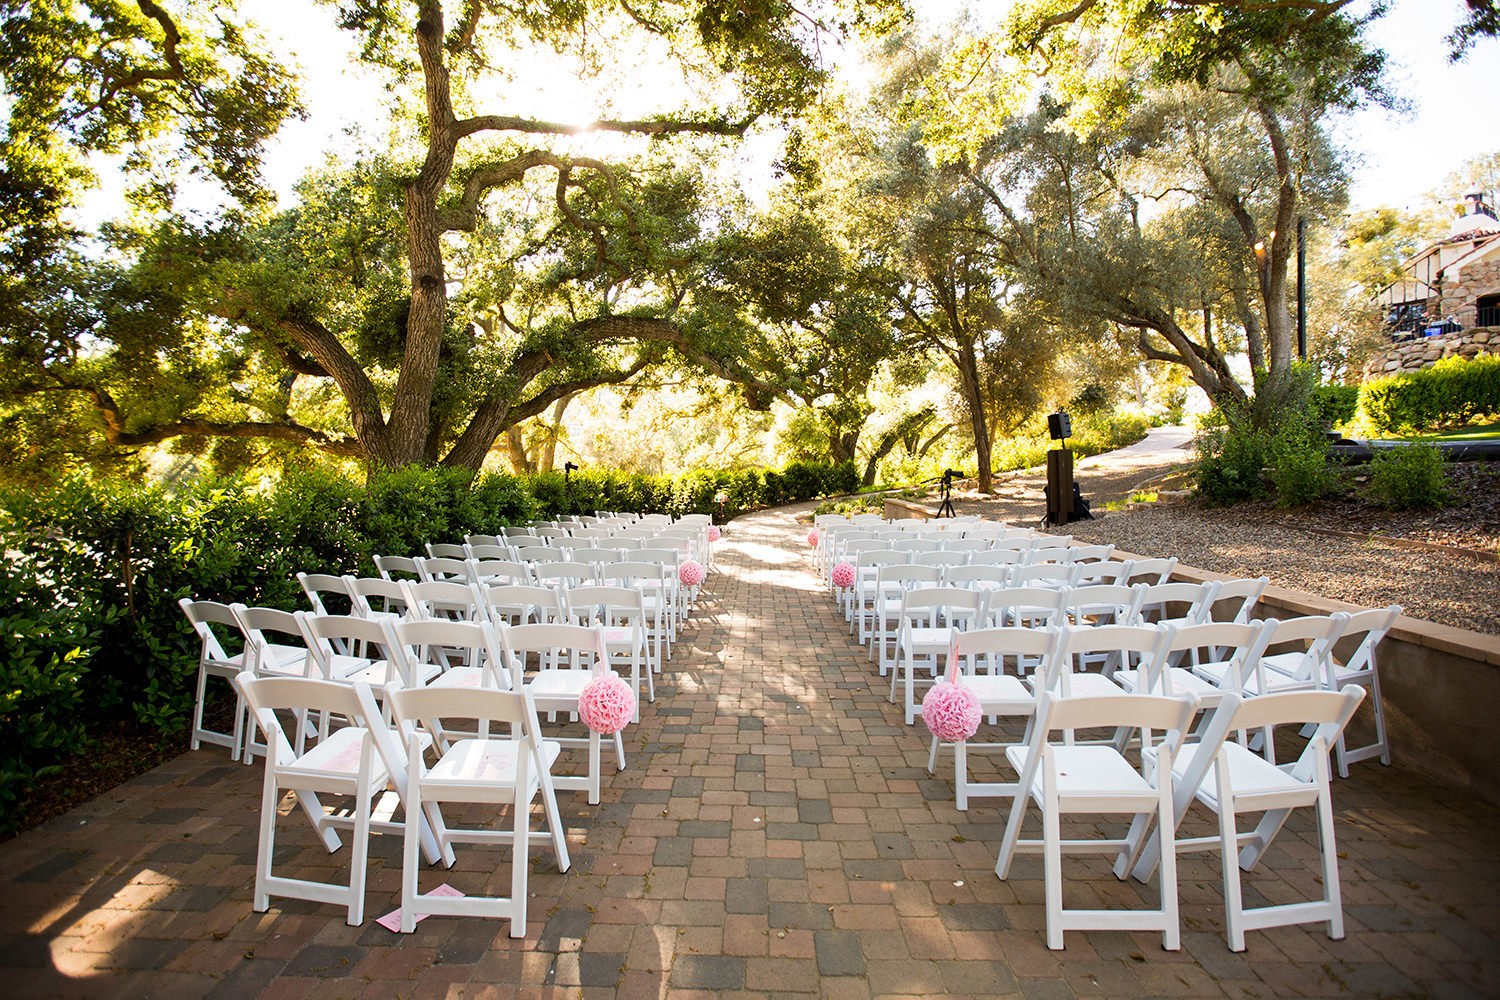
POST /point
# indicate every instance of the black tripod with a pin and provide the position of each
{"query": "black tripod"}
(945, 509)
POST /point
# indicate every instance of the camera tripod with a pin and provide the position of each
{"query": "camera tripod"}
(945, 509)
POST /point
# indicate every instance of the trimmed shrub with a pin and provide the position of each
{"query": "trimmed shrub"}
(1453, 392)
(1336, 404)
(1410, 476)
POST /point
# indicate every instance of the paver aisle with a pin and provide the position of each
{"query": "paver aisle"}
(776, 833)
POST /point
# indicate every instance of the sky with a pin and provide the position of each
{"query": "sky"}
(1396, 158)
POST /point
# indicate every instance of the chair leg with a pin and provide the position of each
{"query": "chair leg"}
(265, 851)
(198, 712)
(359, 854)
(1052, 865)
(932, 757)
(520, 857)
(1334, 895)
(410, 836)
(960, 773)
(594, 741)
(1171, 938)
(1234, 904)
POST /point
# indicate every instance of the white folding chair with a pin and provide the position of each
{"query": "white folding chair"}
(447, 550)
(1063, 779)
(345, 763)
(442, 568)
(511, 769)
(404, 566)
(1244, 782)
(483, 571)
(891, 584)
(1360, 668)
(928, 616)
(213, 661)
(318, 585)
(568, 657)
(978, 660)
(376, 596)
(1150, 571)
(621, 612)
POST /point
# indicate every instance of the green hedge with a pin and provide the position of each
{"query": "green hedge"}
(1336, 404)
(1453, 392)
(90, 629)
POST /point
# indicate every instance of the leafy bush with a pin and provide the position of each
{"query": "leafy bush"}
(1453, 392)
(1299, 466)
(46, 652)
(1231, 456)
(1336, 403)
(1278, 437)
(1409, 476)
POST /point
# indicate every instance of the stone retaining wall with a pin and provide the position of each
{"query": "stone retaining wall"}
(1424, 352)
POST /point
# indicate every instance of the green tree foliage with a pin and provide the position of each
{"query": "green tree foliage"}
(449, 295)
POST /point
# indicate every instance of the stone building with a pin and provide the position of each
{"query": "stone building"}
(1454, 282)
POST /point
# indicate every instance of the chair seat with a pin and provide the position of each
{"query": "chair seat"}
(1088, 772)
(554, 684)
(376, 673)
(1182, 681)
(285, 661)
(336, 757)
(486, 761)
(999, 691)
(1250, 775)
(1217, 674)
(924, 639)
(1087, 685)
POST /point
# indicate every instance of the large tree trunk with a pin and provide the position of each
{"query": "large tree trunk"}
(968, 382)
(554, 431)
(515, 446)
(411, 406)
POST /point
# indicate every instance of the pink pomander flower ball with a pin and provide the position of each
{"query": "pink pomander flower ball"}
(690, 573)
(843, 575)
(713, 532)
(606, 704)
(951, 712)
(812, 538)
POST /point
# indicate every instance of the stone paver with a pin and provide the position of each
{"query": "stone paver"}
(776, 834)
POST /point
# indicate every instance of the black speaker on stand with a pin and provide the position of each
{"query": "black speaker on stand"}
(1060, 470)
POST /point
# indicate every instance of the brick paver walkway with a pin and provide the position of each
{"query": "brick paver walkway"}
(776, 833)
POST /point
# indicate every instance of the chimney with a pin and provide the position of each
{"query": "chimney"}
(1474, 204)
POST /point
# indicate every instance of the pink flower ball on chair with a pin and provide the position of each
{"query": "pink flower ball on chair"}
(690, 573)
(843, 575)
(606, 704)
(812, 538)
(951, 712)
(713, 532)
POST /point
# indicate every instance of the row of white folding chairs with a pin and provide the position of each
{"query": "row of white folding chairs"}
(666, 599)
(1038, 548)
(830, 527)
(483, 764)
(375, 599)
(1198, 656)
(1255, 700)
(1154, 790)
(295, 644)
(902, 592)
(831, 537)
(884, 570)
(551, 567)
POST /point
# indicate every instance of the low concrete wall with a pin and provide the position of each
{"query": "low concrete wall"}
(1440, 685)
(906, 510)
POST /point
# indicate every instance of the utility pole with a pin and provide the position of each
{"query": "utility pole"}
(1301, 288)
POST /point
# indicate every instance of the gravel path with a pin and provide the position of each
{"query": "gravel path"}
(1436, 586)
